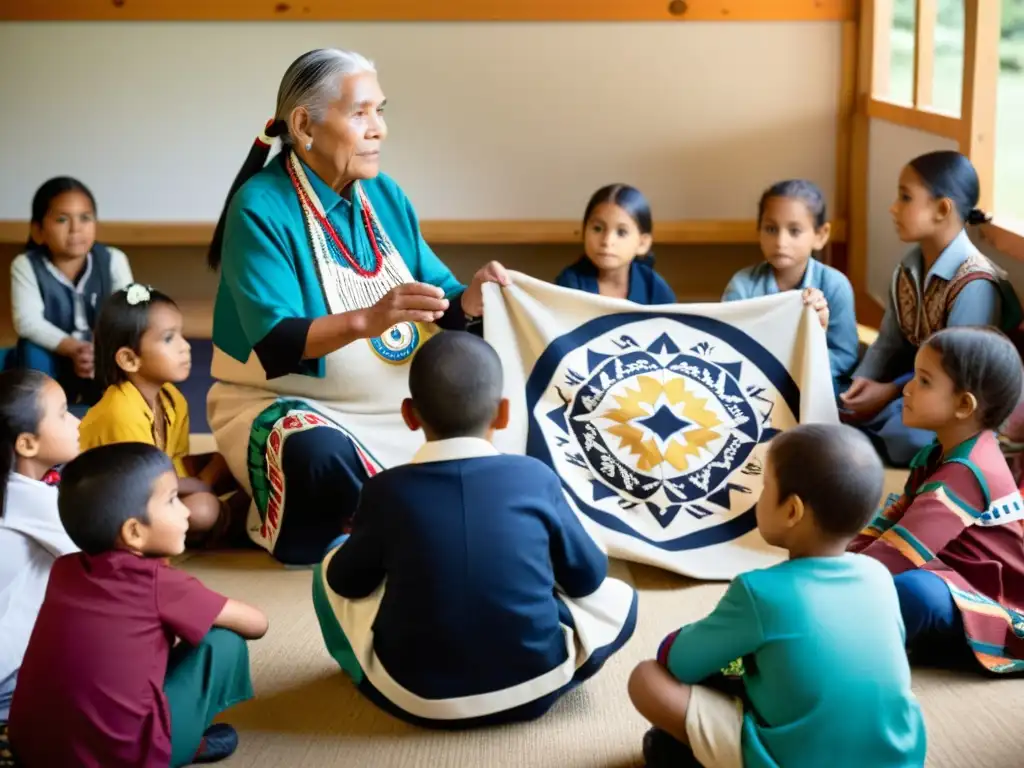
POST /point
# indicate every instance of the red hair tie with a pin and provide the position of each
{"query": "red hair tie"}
(263, 139)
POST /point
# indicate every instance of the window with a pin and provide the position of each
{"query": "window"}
(899, 86)
(1009, 166)
(928, 35)
(948, 69)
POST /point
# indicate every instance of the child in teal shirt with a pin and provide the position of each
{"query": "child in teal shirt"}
(825, 678)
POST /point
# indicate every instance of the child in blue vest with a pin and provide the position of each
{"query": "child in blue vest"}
(793, 225)
(618, 261)
(469, 593)
(59, 284)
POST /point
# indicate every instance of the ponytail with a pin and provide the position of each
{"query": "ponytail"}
(647, 259)
(19, 413)
(254, 162)
(976, 217)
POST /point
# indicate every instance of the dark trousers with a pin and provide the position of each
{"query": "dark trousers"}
(59, 368)
(323, 479)
(935, 630)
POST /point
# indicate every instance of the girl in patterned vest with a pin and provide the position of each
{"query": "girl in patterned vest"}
(59, 284)
(935, 286)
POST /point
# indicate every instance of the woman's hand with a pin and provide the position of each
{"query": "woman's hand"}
(473, 298)
(865, 398)
(407, 303)
(816, 300)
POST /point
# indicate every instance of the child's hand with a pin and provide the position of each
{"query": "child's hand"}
(473, 298)
(865, 398)
(816, 300)
(84, 360)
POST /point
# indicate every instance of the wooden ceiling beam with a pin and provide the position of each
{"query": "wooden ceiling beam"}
(428, 10)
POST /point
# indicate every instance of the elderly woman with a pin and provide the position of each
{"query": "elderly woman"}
(327, 288)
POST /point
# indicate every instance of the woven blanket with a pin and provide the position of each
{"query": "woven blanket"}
(658, 419)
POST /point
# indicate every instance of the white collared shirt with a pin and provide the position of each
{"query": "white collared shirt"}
(453, 449)
(31, 539)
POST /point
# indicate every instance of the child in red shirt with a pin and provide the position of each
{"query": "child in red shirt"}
(102, 661)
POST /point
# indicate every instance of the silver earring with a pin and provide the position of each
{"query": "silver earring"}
(309, 145)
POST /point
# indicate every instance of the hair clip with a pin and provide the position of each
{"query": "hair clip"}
(137, 294)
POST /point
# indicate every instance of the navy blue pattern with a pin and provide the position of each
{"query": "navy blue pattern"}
(698, 492)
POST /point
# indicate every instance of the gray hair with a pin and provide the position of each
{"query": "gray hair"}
(312, 82)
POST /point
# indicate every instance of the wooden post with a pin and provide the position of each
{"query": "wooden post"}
(869, 25)
(981, 79)
(880, 47)
(924, 52)
(838, 252)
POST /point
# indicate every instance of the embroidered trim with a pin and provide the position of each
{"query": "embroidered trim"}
(919, 317)
(270, 429)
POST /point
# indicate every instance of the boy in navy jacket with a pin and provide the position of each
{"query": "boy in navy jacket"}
(468, 592)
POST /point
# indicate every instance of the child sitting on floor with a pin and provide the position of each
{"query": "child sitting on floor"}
(617, 240)
(793, 225)
(468, 593)
(943, 282)
(100, 667)
(825, 679)
(37, 433)
(59, 284)
(955, 539)
(140, 354)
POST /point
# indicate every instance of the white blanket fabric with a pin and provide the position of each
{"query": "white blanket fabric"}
(658, 419)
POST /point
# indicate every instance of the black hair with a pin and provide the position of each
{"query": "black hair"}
(834, 469)
(121, 324)
(455, 382)
(985, 363)
(50, 191)
(20, 412)
(949, 174)
(632, 201)
(807, 192)
(104, 487)
(253, 164)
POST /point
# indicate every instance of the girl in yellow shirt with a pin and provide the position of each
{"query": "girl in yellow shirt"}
(140, 354)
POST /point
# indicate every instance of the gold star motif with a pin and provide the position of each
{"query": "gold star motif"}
(694, 409)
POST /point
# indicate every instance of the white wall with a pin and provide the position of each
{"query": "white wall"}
(501, 120)
(892, 147)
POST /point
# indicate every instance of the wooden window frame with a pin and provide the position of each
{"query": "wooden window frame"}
(973, 129)
(920, 114)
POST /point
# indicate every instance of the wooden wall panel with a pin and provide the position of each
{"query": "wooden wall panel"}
(447, 232)
(427, 10)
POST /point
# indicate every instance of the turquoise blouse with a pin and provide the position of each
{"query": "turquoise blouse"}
(268, 273)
